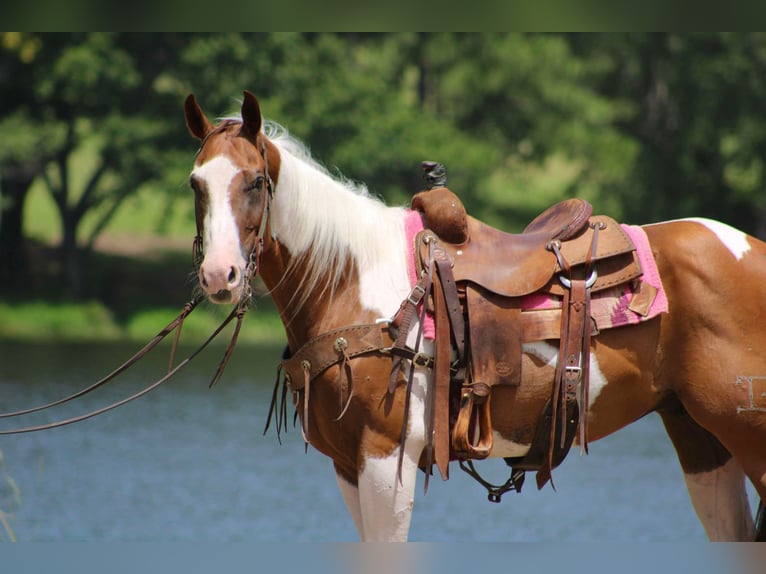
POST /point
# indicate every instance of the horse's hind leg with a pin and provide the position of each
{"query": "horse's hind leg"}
(714, 479)
(760, 523)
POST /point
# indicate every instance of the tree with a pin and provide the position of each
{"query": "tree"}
(27, 145)
(698, 115)
(84, 95)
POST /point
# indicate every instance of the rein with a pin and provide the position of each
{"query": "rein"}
(176, 325)
(169, 329)
(172, 326)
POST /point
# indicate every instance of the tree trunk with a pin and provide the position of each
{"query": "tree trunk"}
(72, 267)
(14, 260)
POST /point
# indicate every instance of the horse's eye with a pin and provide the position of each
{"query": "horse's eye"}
(257, 184)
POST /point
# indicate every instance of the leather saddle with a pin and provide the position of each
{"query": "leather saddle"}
(514, 265)
(566, 253)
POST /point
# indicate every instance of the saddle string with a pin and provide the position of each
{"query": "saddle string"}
(344, 373)
(169, 328)
(279, 412)
(175, 325)
(306, 392)
(275, 411)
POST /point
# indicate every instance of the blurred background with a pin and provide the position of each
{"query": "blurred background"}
(95, 214)
(96, 218)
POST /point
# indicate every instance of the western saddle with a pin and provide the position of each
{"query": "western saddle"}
(479, 276)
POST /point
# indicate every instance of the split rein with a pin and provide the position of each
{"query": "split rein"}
(175, 325)
(253, 266)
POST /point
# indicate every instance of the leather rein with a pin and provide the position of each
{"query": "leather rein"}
(251, 271)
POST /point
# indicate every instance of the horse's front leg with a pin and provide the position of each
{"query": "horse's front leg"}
(386, 502)
(386, 497)
(350, 493)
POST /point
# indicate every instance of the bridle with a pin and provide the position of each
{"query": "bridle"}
(251, 271)
(253, 261)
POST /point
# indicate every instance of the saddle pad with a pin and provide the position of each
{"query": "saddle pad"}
(413, 224)
(628, 304)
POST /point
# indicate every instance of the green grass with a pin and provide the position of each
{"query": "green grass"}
(93, 321)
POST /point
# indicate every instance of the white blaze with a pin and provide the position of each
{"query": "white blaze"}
(221, 237)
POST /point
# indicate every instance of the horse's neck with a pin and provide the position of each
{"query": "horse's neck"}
(365, 279)
(322, 311)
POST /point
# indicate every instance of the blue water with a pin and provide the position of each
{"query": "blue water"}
(191, 463)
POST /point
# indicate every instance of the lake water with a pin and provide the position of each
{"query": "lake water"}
(191, 463)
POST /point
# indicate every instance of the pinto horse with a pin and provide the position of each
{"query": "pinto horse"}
(333, 257)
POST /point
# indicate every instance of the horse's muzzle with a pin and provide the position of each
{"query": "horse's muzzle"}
(221, 285)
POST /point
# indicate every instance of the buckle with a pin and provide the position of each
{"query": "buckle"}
(416, 295)
(422, 360)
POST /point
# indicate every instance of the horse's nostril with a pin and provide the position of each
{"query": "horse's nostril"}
(203, 280)
(233, 276)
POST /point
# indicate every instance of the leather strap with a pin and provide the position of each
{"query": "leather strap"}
(439, 434)
(569, 401)
(403, 321)
(454, 310)
(134, 396)
(320, 353)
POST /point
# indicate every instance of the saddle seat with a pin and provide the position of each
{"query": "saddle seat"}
(514, 265)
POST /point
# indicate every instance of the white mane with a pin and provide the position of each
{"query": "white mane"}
(329, 221)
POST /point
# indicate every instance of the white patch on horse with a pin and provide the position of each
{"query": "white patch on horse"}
(350, 495)
(549, 354)
(733, 239)
(221, 240)
(383, 284)
(507, 448)
(385, 502)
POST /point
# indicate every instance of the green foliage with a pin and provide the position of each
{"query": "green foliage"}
(645, 126)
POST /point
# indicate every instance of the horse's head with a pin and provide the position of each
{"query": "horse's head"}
(232, 182)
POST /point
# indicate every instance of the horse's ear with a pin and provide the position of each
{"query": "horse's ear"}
(251, 116)
(198, 124)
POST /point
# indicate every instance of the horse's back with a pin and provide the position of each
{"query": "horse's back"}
(710, 271)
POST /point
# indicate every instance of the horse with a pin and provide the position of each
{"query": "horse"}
(337, 260)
